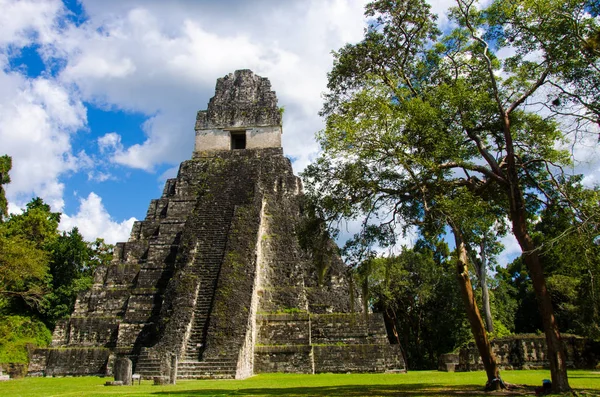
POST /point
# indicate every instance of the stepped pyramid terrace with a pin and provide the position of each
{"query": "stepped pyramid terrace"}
(213, 283)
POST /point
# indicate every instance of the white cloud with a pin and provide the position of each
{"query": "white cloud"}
(511, 251)
(93, 221)
(110, 142)
(37, 118)
(99, 176)
(22, 22)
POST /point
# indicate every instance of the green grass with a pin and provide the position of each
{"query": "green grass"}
(414, 383)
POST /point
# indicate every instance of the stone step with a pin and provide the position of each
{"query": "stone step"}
(231, 361)
(206, 371)
(206, 376)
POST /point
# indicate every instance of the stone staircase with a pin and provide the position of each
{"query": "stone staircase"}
(147, 366)
(211, 232)
(221, 368)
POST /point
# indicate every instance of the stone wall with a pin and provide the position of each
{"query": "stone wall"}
(220, 139)
(358, 358)
(529, 352)
(70, 361)
(285, 358)
(315, 343)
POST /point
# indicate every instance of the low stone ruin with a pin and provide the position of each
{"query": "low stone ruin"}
(524, 352)
(213, 281)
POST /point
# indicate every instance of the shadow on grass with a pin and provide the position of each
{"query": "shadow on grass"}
(351, 391)
(583, 376)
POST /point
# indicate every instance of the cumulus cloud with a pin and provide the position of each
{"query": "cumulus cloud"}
(37, 118)
(94, 221)
(110, 142)
(163, 61)
(22, 22)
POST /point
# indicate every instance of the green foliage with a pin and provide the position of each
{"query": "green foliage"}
(23, 269)
(72, 264)
(417, 292)
(24, 255)
(429, 129)
(315, 239)
(41, 273)
(16, 332)
(37, 223)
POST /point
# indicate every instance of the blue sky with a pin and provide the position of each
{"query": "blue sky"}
(99, 97)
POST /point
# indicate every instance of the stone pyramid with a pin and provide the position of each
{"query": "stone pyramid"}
(213, 283)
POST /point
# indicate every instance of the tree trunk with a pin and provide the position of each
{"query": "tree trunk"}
(485, 293)
(481, 340)
(556, 352)
(393, 320)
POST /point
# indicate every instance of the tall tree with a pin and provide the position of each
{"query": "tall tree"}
(5, 166)
(413, 111)
(24, 253)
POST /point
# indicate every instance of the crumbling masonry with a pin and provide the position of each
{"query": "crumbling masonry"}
(213, 282)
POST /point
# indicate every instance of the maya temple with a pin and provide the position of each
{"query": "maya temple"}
(214, 282)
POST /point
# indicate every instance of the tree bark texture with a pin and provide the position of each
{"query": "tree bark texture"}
(485, 293)
(477, 327)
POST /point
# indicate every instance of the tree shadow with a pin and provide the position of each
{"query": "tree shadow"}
(412, 390)
(585, 376)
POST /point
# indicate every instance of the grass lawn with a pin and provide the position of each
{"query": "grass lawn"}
(414, 383)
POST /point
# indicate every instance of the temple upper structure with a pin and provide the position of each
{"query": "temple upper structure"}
(243, 114)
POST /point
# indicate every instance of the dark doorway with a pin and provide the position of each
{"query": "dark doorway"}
(238, 140)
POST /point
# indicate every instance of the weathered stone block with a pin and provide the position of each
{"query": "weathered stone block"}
(93, 331)
(448, 362)
(358, 358)
(140, 306)
(283, 329)
(77, 361)
(128, 334)
(161, 380)
(114, 383)
(121, 274)
(285, 358)
(123, 370)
